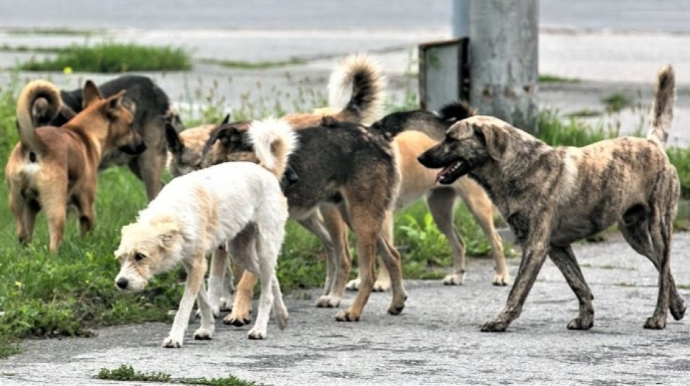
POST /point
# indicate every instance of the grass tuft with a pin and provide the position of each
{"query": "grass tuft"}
(547, 78)
(110, 57)
(127, 373)
(244, 65)
(616, 102)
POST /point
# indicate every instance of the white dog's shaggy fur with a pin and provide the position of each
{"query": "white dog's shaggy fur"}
(238, 202)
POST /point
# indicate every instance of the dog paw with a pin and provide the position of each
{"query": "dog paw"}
(581, 324)
(225, 304)
(396, 309)
(237, 321)
(678, 310)
(256, 334)
(203, 334)
(656, 323)
(282, 320)
(381, 286)
(501, 279)
(171, 342)
(347, 316)
(353, 285)
(494, 326)
(326, 301)
(454, 279)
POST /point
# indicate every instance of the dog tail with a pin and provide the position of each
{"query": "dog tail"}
(662, 108)
(26, 121)
(359, 76)
(456, 111)
(274, 140)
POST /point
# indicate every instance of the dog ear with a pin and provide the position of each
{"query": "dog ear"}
(114, 104)
(493, 136)
(167, 230)
(90, 94)
(173, 138)
(226, 120)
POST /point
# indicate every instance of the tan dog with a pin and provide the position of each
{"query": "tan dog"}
(554, 196)
(54, 167)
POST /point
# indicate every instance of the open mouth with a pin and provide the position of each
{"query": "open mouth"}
(452, 172)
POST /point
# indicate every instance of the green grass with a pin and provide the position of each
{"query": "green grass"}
(59, 31)
(241, 64)
(616, 102)
(127, 373)
(547, 78)
(557, 130)
(110, 57)
(585, 113)
(8, 48)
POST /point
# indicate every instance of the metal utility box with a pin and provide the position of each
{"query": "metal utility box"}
(444, 74)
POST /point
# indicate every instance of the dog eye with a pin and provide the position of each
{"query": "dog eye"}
(139, 256)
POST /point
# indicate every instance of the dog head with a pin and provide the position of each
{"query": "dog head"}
(229, 143)
(145, 250)
(120, 117)
(467, 145)
(185, 148)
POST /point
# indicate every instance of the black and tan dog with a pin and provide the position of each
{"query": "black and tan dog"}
(151, 107)
(554, 196)
(342, 166)
(53, 167)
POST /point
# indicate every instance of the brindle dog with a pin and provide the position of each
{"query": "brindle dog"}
(554, 196)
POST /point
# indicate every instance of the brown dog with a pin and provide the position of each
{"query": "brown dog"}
(554, 196)
(53, 167)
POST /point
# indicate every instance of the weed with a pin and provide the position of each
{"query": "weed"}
(625, 284)
(557, 131)
(616, 102)
(547, 78)
(127, 373)
(241, 64)
(55, 31)
(111, 57)
(585, 113)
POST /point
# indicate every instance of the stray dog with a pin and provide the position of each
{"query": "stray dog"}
(345, 168)
(185, 149)
(554, 196)
(52, 107)
(418, 181)
(240, 203)
(53, 167)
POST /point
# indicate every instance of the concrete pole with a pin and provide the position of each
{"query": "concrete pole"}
(504, 60)
(461, 18)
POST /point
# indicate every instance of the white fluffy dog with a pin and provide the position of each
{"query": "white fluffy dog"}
(238, 202)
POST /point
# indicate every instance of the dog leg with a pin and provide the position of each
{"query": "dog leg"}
(216, 279)
(341, 259)
(278, 305)
(367, 229)
(243, 250)
(532, 228)
(266, 256)
(565, 260)
(391, 258)
(148, 166)
(56, 213)
(24, 217)
(479, 204)
(440, 202)
(383, 279)
(87, 216)
(195, 277)
(205, 331)
(315, 224)
(644, 243)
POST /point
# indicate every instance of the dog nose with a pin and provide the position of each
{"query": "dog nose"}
(422, 158)
(122, 283)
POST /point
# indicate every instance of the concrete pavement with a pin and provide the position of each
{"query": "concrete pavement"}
(436, 340)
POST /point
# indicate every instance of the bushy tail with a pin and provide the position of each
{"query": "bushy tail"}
(662, 108)
(273, 140)
(26, 122)
(360, 77)
(456, 111)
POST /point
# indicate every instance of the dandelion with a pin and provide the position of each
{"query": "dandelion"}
(67, 70)
(18, 284)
